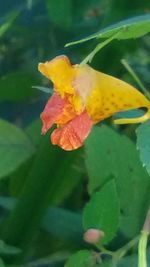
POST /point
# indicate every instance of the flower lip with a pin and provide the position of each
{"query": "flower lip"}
(53, 109)
(72, 135)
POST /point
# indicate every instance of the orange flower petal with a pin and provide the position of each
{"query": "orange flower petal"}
(57, 110)
(53, 109)
(72, 135)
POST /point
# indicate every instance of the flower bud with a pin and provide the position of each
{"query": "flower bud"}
(92, 236)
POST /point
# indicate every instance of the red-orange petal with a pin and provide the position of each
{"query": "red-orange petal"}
(53, 109)
(72, 135)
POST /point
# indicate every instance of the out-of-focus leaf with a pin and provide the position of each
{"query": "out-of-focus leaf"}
(7, 203)
(54, 260)
(109, 153)
(18, 178)
(2, 263)
(7, 25)
(64, 224)
(34, 131)
(105, 264)
(66, 175)
(129, 114)
(131, 28)
(102, 212)
(15, 147)
(132, 260)
(83, 258)
(44, 89)
(59, 222)
(6, 249)
(29, 4)
(50, 179)
(17, 86)
(60, 12)
(143, 143)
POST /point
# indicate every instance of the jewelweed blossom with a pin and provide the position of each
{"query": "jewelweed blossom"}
(83, 97)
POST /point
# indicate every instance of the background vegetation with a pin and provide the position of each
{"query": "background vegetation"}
(44, 190)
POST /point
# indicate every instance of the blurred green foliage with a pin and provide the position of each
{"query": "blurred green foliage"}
(49, 197)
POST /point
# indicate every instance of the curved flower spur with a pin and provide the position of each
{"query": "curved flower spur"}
(83, 97)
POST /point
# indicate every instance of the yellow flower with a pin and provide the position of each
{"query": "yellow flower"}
(82, 97)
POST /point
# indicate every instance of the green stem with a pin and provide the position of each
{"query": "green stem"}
(122, 251)
(98, 47)
(135, 77)
(105, 251)
(117, 255)
(142, 262)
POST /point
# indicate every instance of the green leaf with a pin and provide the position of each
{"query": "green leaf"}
(106, 264)
(33, 130)
(111, 154)
(63, 224)
(131, 28)
(2, 263)
(50, 178)
(143, 143)
(59, 222)
(60, 12)
(102, 212)
(66, 178)
(15, 147)
(29, 4)
(9, 21)
(132, 260)
(18, 178)
(7, 203)
(44, 89)
(83, 258)
(67, 175)
(17, 86)
(6, 249)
